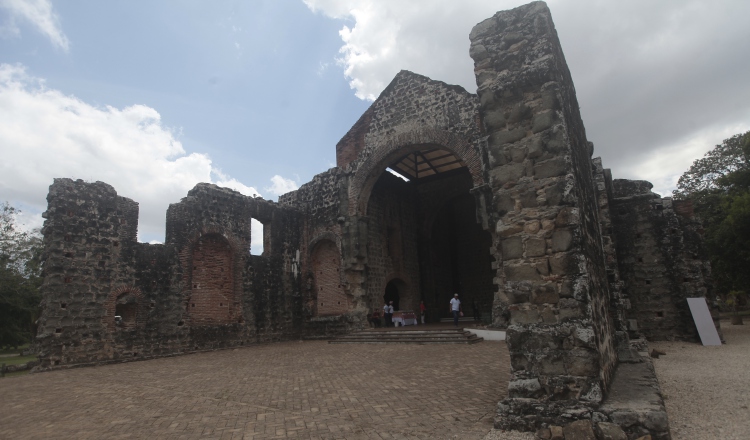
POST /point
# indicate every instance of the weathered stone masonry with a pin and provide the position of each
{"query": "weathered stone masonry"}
(501, 201)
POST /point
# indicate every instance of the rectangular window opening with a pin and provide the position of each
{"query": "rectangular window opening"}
(258, 240)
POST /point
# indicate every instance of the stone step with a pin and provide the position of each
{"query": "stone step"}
(406, 341)
(446, 336)
(461, 319)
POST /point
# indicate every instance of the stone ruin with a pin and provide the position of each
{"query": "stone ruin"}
(500, 200)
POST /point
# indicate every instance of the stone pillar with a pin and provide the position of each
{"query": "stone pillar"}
(551, 274)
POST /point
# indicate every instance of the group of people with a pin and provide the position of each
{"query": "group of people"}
(388, 314)
(455, 309)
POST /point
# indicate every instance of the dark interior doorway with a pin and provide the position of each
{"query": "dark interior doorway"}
(391, 294)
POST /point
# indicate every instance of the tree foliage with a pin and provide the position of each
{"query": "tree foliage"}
(20, 278)
(719, 186)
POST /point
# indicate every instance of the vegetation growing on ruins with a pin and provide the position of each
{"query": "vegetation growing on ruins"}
(20, 278)
(719, 186)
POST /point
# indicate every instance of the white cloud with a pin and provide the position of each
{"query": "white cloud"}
(654, 79)
(45, 134)
(390, 35)
(663, 167)
(281, 185)
(39, 14)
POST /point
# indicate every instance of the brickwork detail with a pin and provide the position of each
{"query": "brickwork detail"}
(329, 292)
(124, 302)
(211, 300)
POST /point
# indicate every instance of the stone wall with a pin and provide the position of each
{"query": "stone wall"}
(552, 284)
(200, 290)
(661, 259)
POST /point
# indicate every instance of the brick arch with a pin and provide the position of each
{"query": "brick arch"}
(370, 169)
(327, 235)
(111, 307)
(329, 293)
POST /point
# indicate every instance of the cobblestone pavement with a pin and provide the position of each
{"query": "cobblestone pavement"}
(284, 390)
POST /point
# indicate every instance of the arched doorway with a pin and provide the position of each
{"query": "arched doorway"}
(422, 224)
(392, 294)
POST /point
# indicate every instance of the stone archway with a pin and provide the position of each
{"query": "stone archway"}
(370, 169)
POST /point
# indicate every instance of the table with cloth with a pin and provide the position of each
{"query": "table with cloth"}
(405, 317)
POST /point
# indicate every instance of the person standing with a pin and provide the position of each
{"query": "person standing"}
(388, 314)
(455, 308)
(422, 310)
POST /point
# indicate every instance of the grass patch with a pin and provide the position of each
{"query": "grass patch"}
(17, 360)
(17, 373)
(14, 350)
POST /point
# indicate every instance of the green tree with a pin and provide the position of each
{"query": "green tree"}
(719, 186)
(20, 278)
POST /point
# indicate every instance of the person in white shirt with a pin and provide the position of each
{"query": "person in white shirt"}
(455, 308)
(388, 314)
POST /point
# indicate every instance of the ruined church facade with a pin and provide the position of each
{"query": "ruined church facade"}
(499, 199)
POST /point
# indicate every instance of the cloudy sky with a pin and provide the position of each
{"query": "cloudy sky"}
(156, 96)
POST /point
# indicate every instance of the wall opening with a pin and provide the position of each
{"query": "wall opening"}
(424, 230)
(126, 311)
(393, 291)
(257, 240)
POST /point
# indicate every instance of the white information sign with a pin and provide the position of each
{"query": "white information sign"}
(703, 321)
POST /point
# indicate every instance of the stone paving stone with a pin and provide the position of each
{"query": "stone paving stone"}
(290, 390)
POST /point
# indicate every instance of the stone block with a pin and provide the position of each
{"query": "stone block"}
(503, 137)
(563, 264)
(528, 199)
(579, 430)
(521, 272)
(543, 121)
(549, 365)
(554, 167)
(542, 267)
(548, 315)
(555, 142)
(624, 418)
(536, 247)
(517, 154)
(554, 193)
(506, 230)
(582, 364)
(535, 148)
(519, 113)
(532, 226)
(524, 388)
(556, 433)
(478, 52)
(656, 421)
(610, 431)
(524, 317)
(512, 248)
(494, 120)
(545, 294)
(507, 173)
(550, 100)
(503, 203)
(562, 239)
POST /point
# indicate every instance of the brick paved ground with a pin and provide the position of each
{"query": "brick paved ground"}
(285, 390)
